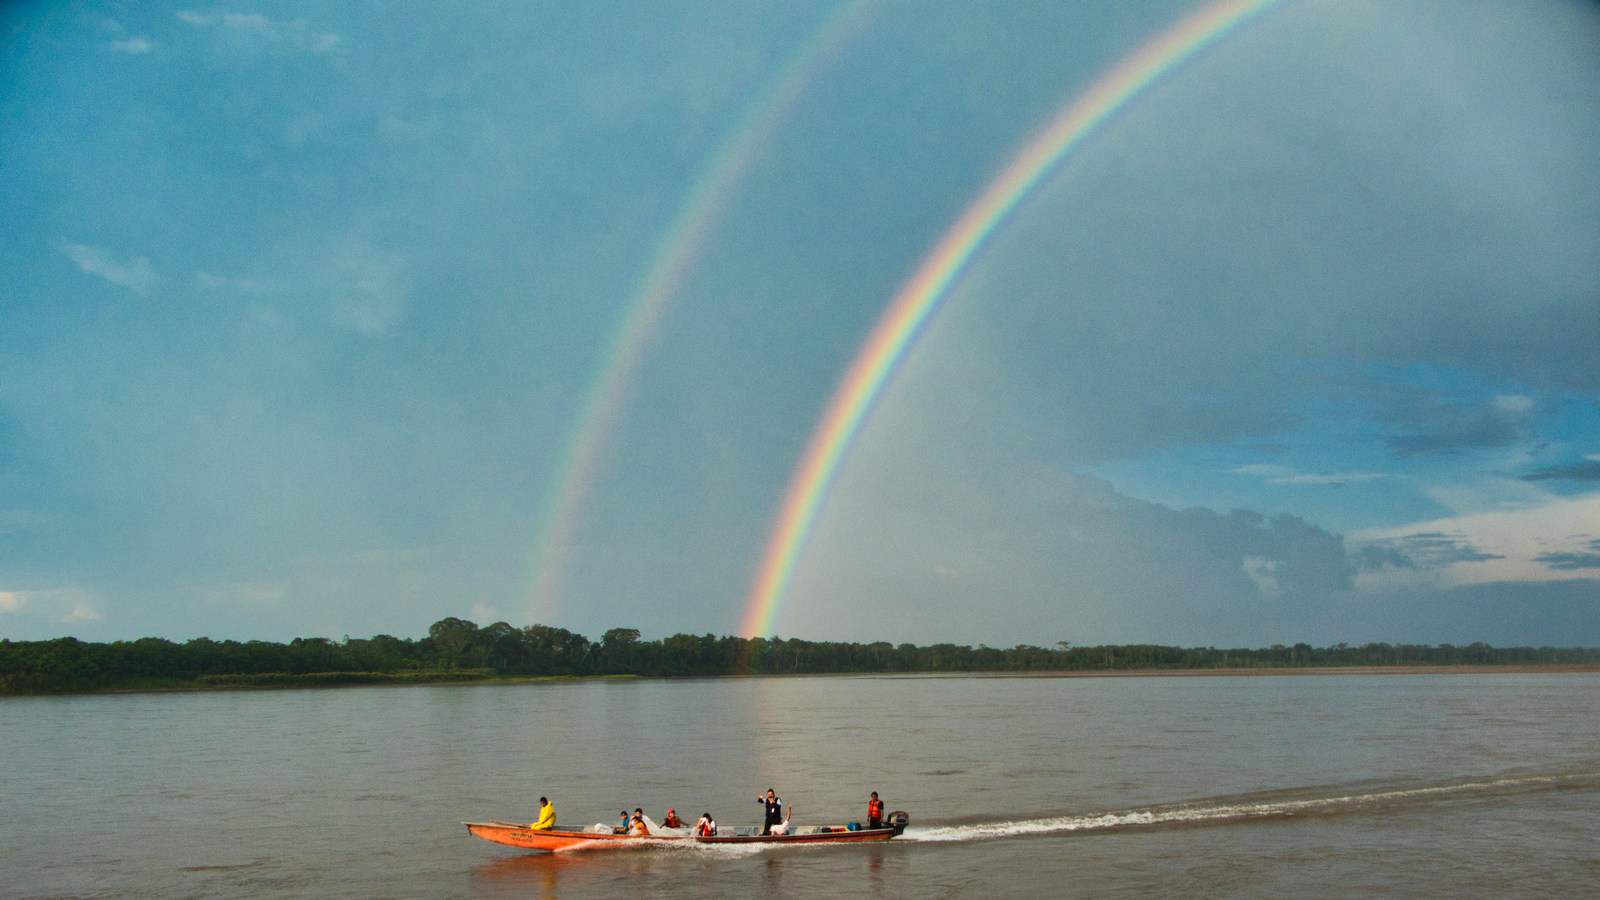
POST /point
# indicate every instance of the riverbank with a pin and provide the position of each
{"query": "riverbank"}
(274, 681)
(1514, 669)
(268, 681)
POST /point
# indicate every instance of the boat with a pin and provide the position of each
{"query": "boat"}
(555, 840)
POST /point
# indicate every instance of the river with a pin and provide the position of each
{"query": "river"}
(1327, 785)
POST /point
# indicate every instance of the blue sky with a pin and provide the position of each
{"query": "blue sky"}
(299, 301)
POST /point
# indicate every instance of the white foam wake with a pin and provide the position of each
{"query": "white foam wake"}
(1206, 812)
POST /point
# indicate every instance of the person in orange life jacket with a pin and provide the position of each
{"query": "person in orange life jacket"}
(774, 805)
(874, 812)
(638, 827)
(672, 820)
(706, 827)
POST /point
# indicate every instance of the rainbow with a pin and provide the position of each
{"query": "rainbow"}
(908, 314)
(674, 257)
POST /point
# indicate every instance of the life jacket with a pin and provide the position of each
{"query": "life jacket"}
(547, 817)
(874, 809)
(708, 828)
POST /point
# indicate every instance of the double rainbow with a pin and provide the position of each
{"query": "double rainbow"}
(922, 295)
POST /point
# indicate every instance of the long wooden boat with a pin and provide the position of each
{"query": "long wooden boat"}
(518, 834)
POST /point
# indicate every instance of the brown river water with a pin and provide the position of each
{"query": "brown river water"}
(1404, 785)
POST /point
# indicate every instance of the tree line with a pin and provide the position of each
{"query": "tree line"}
(457, 650)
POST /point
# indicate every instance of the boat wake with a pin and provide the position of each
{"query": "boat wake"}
(1279, 804)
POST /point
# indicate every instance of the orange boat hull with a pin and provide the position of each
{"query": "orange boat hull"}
(514, 834)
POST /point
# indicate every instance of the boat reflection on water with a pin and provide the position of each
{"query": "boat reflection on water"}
(582, 874)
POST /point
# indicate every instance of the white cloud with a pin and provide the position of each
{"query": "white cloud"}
(1513, 404)
(49, 602)
(1264, 572)
(82, 612)
(1495, 544)
(1275, 474)
(135, 45)
(483, 613)
(135, 274)
(294, 33)
(1262, 470)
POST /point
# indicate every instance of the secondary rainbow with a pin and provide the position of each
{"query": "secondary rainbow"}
(674, 257)
(918, 299)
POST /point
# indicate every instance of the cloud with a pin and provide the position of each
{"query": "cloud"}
(135, 274)
(1377, 556)
(1054, 553)
(1586, 469)
(36, 607)
(1276, 474)
(1263, 572)
(1448, 428)
(1563, 613)
(295, 34)
(1567, 562)
(483, 613)
(135, 45)
(1427, 549)
(1537, 541)
(82, 612)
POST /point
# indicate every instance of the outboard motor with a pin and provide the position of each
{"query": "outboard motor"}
(898, 821)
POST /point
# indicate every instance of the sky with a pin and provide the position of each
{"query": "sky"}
(303, 308)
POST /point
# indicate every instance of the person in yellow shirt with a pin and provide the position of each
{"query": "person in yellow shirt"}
(547, 815)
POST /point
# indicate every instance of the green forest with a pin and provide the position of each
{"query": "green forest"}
(459, 650)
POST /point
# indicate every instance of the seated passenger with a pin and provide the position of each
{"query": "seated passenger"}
(622, 825)
(672, 820)
(706, 826)
(638, 828)
(547, 815)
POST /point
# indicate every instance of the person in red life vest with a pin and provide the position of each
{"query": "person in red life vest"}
(874, 812)
(671, 820)
(706, 827)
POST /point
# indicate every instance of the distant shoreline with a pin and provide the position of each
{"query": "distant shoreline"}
(337, 680)
(1515, 669)
(459, 652)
